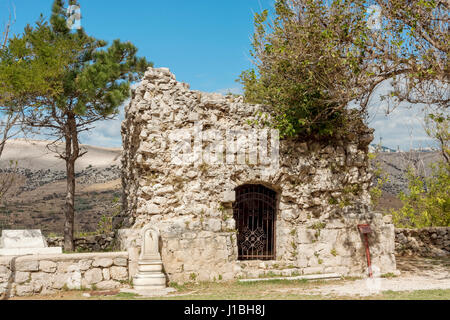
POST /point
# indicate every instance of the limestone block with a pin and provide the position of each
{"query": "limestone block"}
(31, 265)
(21, 277)
(63, 266)
(213, 225)
(302, 262)
(122, 262)
(328, 235)
(5, 273)
(228, 196)
(106, 274)
(47, 266)
(93, 276)
(289, 214)
(119, 273)
(151, 208)
(305, 235)
(15, 239)
(108, 285)
(37, 287)
(74, 279)
(84, 264)
(103, 262)
(59, 280)
(314, 270)
(24, 290)
(230, 224)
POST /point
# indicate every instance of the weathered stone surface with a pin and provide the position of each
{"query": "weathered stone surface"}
(47, 266)
(84, 264)
(21, 277)
(106, 274)
(27, 265)
(119, 273)
(103, 262)
(15, 239)
(24, 242)
(60, 280)
(24, 290)
(93, 276)
(5, 273)
(122, 262)
(66, 266)
(108, 285)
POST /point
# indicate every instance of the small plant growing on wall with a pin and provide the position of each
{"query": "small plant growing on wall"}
(318, 226)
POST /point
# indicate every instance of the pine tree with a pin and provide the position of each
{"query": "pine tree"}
(63, 81)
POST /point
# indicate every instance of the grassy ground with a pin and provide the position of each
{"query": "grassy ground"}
(267, 290)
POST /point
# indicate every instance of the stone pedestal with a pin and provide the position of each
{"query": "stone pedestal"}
(149, 276)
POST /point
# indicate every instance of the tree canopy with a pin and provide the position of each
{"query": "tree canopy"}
(318, 63)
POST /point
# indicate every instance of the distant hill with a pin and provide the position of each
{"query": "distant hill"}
(37, 199)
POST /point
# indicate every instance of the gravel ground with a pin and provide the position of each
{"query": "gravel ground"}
(416, 274)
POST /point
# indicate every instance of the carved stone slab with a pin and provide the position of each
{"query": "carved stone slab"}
(23, 242)
(13, 239)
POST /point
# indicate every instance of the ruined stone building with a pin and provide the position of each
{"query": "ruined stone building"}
(231, 200)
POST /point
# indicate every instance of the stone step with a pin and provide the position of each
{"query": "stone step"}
(304, 277)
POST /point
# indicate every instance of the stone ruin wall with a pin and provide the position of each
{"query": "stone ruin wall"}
(426, 242)
(322, 192)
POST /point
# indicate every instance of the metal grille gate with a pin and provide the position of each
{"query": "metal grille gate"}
(254, 211)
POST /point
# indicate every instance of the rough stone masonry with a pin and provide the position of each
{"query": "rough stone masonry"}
(322, 189)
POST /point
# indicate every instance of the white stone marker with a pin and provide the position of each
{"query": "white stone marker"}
(23, 242)
(149, 276)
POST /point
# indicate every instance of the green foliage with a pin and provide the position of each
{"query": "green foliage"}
(427, 203)
(310, 63)
(193, 276)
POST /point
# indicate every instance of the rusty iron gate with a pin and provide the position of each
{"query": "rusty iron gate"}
(255, 211)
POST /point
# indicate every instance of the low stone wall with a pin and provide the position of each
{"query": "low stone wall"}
(423, 242)
(94, 243)
(336, 247)
(46, 274)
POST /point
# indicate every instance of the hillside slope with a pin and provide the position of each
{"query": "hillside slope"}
(37, 199)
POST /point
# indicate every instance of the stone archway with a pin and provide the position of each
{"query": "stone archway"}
(255, 212)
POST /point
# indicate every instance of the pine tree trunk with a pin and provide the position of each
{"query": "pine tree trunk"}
(71, 154)
(69, 207)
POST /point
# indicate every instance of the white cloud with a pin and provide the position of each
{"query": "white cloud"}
(234, 90)
(105, 133)
(400, 127)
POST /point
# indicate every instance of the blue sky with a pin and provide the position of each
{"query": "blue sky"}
(205, 43)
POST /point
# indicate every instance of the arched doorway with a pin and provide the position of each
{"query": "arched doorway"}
(255, 211)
